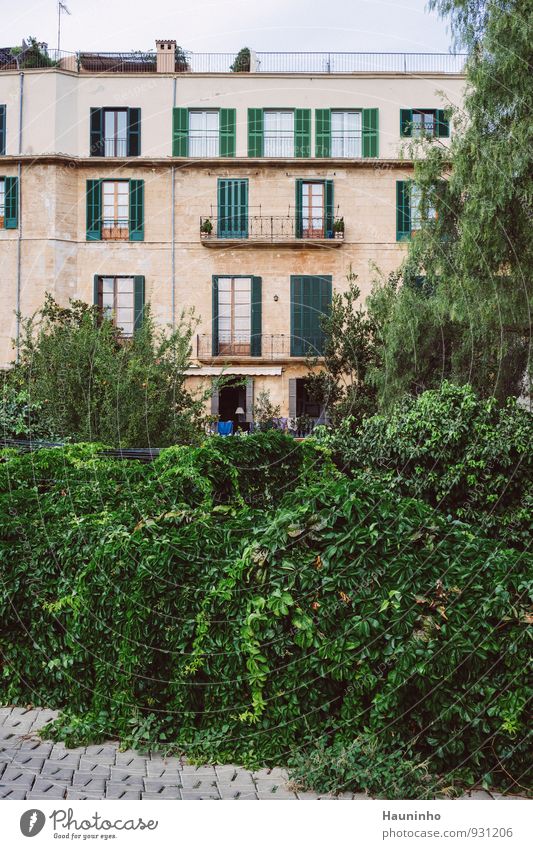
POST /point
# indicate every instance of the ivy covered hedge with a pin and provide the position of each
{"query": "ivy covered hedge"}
(329, 623)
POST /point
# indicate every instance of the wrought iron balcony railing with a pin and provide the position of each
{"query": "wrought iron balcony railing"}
(115, 229)
(272, 228)
(266, 346)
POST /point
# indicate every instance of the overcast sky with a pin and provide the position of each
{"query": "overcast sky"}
(227, 25)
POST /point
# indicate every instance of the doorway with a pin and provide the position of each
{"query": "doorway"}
(231, 398)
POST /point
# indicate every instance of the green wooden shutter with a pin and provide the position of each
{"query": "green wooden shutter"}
(370, 132)
(328, 193)
(296, 316)
(406, 123)
(403, 211)
(228, 131)
(232, 209)
(138, 301)
(11, 214)
(370, 126)
(255, 346)
(325, 293)
(2, 130)
(136, 211)
(96, 289)
(302, 133)
(298, 223)
(180, 132)
(96, 139)
(94, 211)
(255, 132)
(442, 129)
(134, 132)
(214, 318)
(322, 133)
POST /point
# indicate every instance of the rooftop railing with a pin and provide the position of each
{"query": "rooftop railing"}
(318, 62)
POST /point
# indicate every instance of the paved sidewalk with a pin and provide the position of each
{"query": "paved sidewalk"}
(31, 768)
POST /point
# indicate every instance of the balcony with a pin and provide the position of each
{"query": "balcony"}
(264, 230)
(266, 346)
(115, 229)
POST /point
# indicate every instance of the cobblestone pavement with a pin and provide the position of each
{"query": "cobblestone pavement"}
(31, 768)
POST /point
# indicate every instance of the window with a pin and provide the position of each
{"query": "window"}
(115, 202)
(314, 209)
(116, 300)
(415, 123)
(115, 132)
(9, 202)
(416, 210)
(410, 211)
(278, 132)
(346, 134)
(204, 133)
(234, 315)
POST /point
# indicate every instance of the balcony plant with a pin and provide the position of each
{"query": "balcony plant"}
(338, 228)
(242, 61)
(180, 60)
(206, 228)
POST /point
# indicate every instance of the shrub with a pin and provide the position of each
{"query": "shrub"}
(20, 418)
(162, 605)
(91, 385)
(465, 456)
(242, 60)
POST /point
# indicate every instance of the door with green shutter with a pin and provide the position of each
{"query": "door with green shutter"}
(237, 309)
(314, 209)
(232, 209)
(310, 300)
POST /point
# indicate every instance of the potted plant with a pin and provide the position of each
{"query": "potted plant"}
(206, 228)
(338, 228)
(242, 61)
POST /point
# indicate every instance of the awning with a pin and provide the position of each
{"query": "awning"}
(216, 371)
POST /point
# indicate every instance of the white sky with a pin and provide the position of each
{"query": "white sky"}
(226, 25)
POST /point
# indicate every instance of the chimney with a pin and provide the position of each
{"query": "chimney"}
(166, 51)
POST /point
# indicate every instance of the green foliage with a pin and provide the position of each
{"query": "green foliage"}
(20, 417)
(168, 605)
(470, 321)
(342, 385)
(265, 412)
(88, 383)
(242, 60)
(462, 455)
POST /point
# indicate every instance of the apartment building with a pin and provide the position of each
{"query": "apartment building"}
(165, 178)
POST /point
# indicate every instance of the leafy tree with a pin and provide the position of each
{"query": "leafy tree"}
(471, 321)
(349, 354)
(242, 60)
(93, 385)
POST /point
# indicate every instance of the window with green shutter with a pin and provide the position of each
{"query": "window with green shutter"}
(134, 132)
(310, 300)
(370, 122)
(115, 210)
(236, 316)
(403, 210)
(9, 203)
(180, 132)
(121, 300)
(232, 209)
(415, 123)
(115, 132)
(279, 133)
(204, 132)
(314, 209)
(2, 130)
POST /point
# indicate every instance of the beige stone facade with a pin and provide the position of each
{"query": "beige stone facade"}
(50, 152)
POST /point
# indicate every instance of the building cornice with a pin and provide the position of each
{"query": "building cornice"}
(224, 163)
(369, 75)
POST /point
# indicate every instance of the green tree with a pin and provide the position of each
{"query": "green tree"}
(90, 384)
(470, 321)
(349, 355)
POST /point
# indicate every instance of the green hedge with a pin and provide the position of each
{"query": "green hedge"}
(465, 456)
(167, 605)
